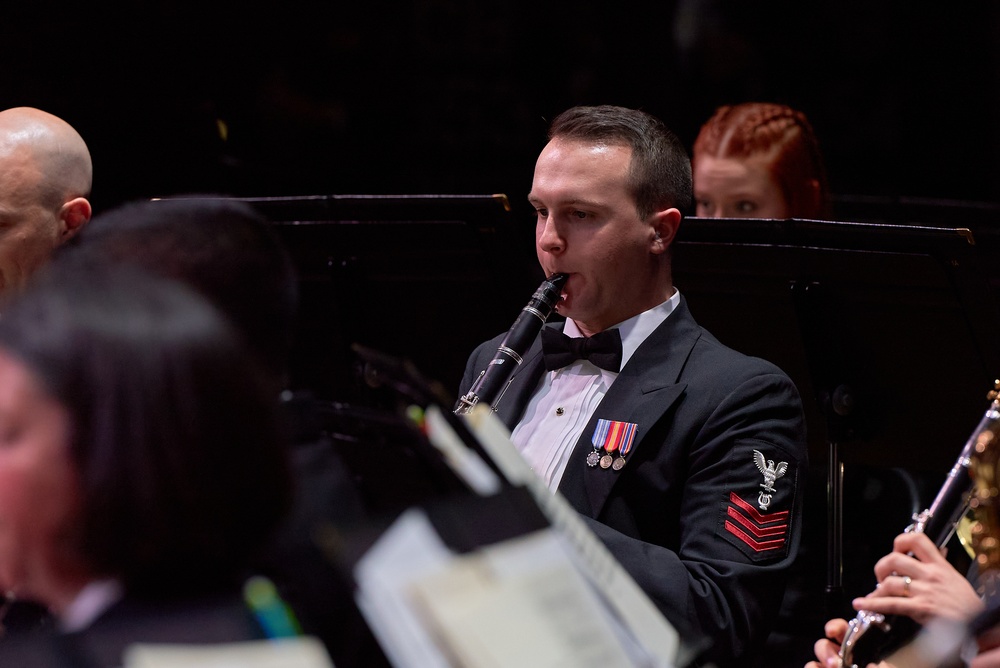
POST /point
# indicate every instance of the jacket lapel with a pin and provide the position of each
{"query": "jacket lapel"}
(645, 389)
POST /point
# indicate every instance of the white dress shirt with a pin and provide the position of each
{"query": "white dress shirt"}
(566, 398)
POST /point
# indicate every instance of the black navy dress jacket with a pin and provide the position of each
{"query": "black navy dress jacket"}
(693, 515)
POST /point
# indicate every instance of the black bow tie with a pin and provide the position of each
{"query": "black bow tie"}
(603, 349)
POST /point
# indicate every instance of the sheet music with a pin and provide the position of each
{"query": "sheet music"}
(302, 652)
(517, 603)
(633, 608)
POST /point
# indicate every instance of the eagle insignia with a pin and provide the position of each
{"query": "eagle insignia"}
(771, 473)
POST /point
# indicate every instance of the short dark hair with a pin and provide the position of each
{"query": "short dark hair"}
(660, 170)
(174, 430)
(222, 248)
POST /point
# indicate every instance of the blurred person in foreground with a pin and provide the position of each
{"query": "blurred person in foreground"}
(141, 467)
(229, 253)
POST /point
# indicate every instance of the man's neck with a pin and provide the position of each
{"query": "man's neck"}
(591, 327)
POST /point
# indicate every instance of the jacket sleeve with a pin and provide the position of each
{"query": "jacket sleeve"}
(717, 570)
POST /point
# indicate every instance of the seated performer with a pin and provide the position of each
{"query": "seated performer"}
(45, 178)
(141, 469)
(705, 447)
(230, 255)
(759, 160)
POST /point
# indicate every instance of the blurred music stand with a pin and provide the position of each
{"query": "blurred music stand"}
(426, 277)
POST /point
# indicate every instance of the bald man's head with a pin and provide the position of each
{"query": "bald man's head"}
(45, 180)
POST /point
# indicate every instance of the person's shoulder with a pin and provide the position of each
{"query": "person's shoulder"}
(734, 362)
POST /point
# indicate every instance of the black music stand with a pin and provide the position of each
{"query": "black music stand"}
(425, 277)
(887, 330)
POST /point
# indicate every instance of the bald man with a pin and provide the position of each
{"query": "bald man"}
(45, 179)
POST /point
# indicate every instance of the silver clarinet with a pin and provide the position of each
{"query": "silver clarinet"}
(495, 378)
(871, 636)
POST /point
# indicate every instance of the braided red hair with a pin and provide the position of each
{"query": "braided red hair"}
(780, 133)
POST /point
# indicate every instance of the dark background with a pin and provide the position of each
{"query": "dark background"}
(446, 96)
(450, 96)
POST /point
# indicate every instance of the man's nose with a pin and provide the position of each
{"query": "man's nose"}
(549, 238)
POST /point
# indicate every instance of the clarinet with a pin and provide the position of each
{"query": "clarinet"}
(495, 378)
(871, 636)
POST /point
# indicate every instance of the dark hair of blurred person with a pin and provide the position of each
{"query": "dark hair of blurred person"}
(141, 452)
(228, 252)
(221, 248)
(759, 160)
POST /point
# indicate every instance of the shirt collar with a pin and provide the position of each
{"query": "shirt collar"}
(634, 330)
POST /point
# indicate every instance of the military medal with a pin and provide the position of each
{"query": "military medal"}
(611, 436)
(619, 462)
(608, 458)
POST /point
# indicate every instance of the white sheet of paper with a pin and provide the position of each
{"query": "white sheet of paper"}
(303, 652)
(407, 551)
(519, 603)
(630, 604)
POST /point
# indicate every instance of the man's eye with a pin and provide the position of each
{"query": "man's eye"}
(581, 215)
(746, 206)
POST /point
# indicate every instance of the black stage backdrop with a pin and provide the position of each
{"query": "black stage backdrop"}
(436, 96)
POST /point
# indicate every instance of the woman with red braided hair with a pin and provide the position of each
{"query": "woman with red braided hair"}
(759, 160)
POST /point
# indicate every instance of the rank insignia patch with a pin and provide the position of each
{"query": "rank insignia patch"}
(762, 532)
(756, 512)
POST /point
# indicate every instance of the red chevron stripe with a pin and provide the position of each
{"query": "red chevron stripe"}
(780, 516)
(760, 532)
(757, 546)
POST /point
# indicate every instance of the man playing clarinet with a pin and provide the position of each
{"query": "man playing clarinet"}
(685, 457)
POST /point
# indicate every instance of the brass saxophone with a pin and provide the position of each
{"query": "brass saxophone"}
(495, 378)
(870, 635)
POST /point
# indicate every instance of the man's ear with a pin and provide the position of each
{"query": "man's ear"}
(74, 214)
(665, 224)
